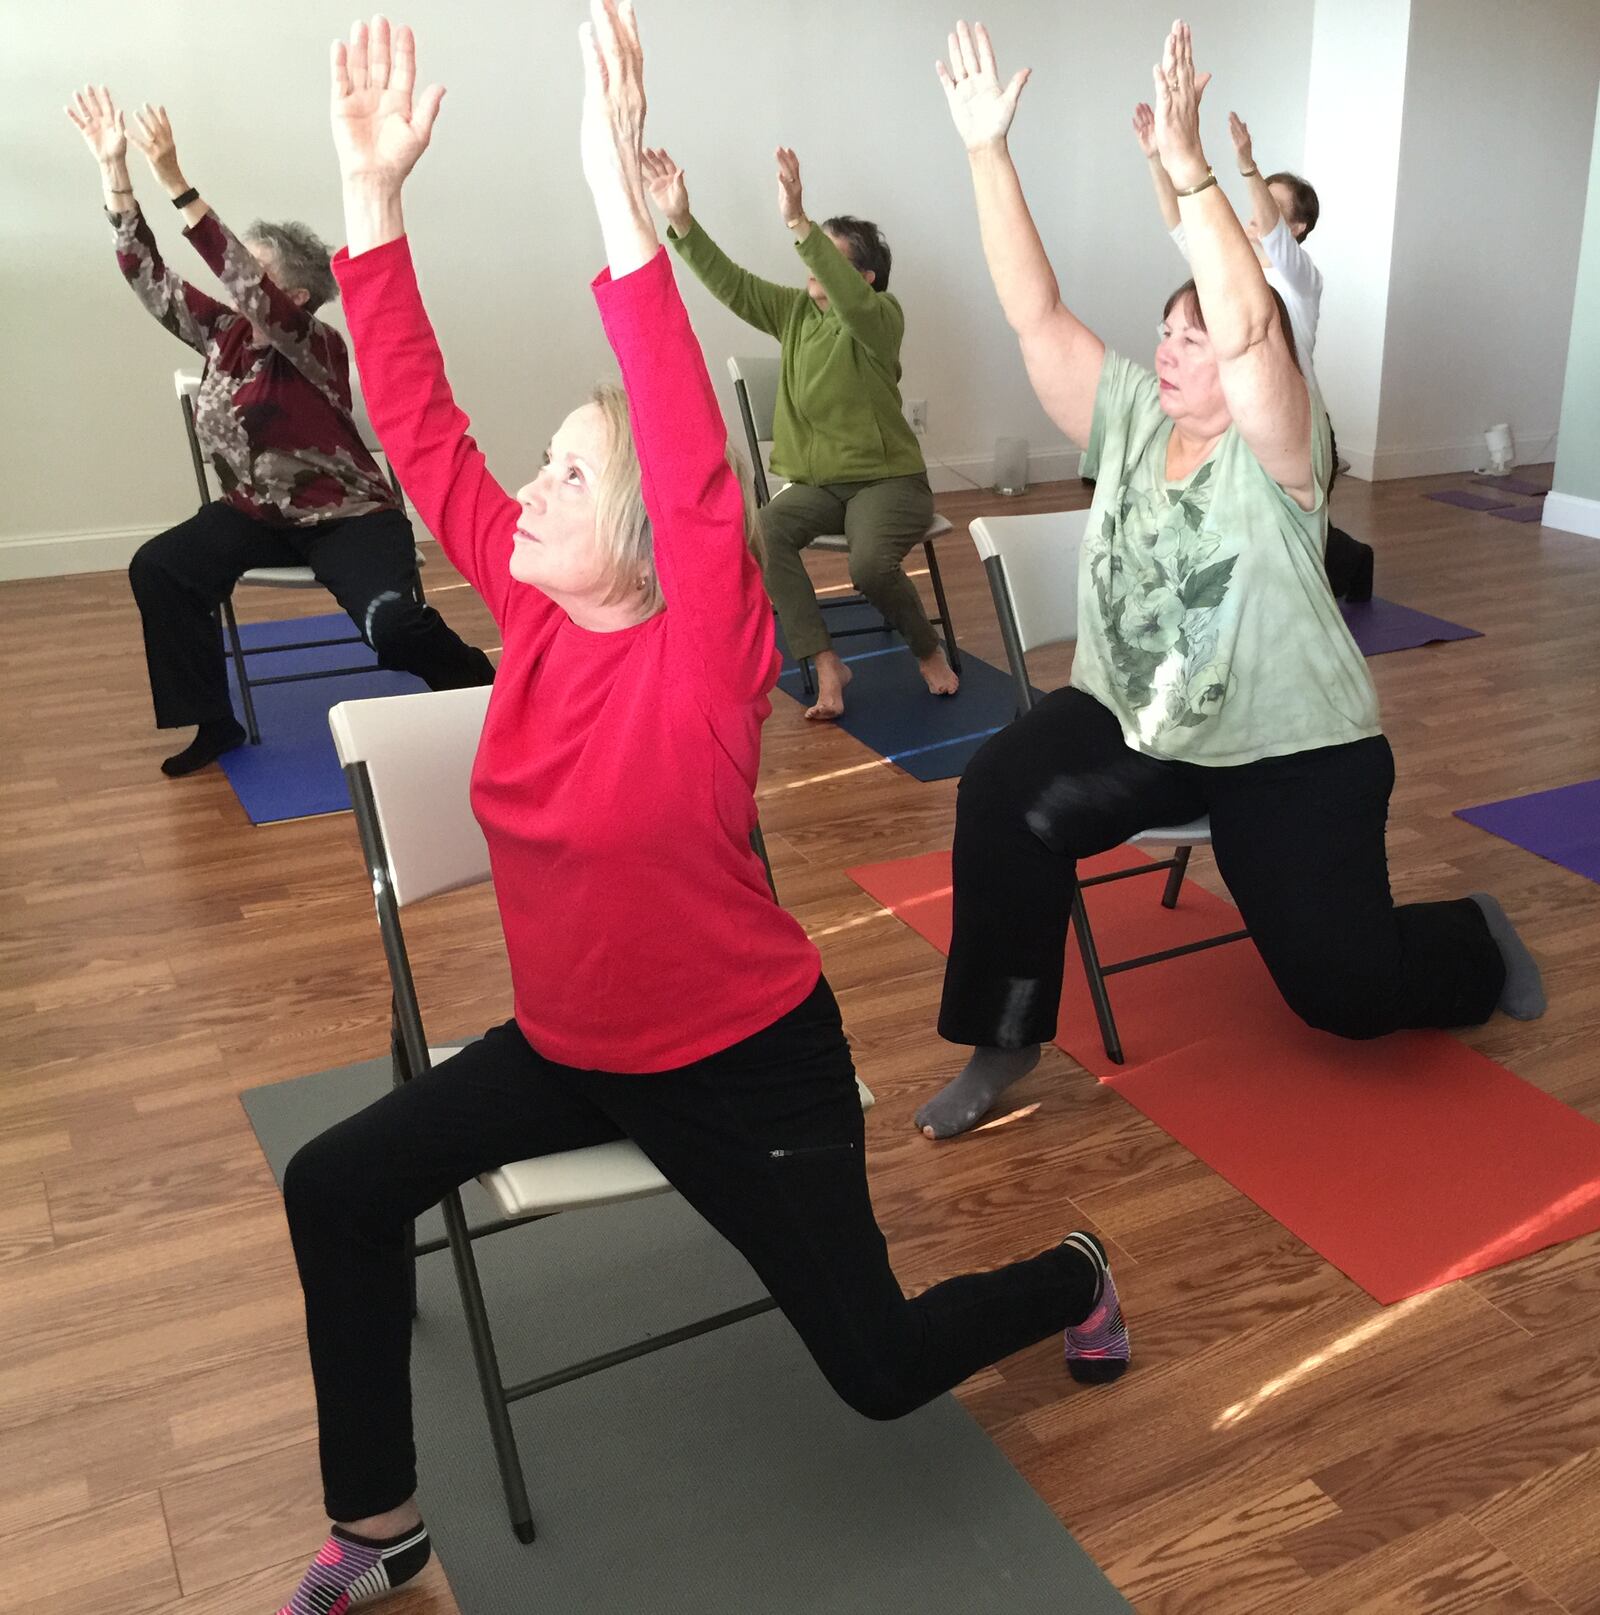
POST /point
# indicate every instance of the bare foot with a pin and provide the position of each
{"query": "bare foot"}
(832, 676)
(938, 675)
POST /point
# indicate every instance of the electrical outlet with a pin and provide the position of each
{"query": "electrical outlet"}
(917, 414)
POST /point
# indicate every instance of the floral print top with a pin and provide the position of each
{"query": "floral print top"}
(1205, 619)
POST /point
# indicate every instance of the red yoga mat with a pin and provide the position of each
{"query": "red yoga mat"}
(1407, 1161)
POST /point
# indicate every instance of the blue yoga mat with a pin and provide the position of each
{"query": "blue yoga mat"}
(888, 706)
(294, 773)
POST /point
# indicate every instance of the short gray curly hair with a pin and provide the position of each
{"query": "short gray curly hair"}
(302, 259)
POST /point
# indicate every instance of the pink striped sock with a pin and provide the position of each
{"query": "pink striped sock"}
(350, 1571)
(1097, 1349)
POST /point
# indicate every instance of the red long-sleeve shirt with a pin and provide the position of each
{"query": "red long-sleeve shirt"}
(615, 778)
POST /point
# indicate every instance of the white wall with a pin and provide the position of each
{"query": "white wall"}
(1353, 158)
(1494, 161)
(1574, 503)
(90, 453)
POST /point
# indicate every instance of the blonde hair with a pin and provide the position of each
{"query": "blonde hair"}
(622, 524)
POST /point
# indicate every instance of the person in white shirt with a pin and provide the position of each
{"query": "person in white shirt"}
(1284, 211)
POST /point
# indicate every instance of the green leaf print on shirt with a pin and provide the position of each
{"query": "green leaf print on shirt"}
(1159, 581)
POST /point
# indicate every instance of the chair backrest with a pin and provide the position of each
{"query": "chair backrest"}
(1032, 565)
(755, 385)
(187, 386)
(418, 751)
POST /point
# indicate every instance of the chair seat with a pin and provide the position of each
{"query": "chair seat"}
(598, 1175)
(294, 577)
(1197, 833)
(937, 528)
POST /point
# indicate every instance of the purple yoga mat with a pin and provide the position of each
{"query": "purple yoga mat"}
(1562, 825)
(1384, 625)
(1464, 500)
(1512, 485)
(1520, 513)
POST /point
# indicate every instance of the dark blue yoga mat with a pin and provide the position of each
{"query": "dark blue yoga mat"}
(1380, 625)
(294, 773)
(1562, 825)
(888, 707)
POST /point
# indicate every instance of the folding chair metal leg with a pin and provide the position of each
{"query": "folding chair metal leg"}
(951, 650)
(252, 728)
(488, 1366)
(808, 681)
(1180, 865)
(401, 1071)
(1097, 981)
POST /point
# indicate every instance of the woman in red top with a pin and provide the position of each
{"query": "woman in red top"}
(660, 993)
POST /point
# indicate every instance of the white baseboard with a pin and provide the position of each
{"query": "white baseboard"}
(1471, 454)
(1570, 514)
(950, 473)
(55, 555)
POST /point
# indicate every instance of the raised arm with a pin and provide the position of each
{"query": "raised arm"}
(710, 580)
(379, 131)
(183, 309)
(870, 318)
(1062, 354)
(1144, 131)
(1262, 202)
(278, 315)
(762, 303)
(1265, 391)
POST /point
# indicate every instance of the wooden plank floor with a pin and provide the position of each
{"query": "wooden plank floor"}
(1285, 1444)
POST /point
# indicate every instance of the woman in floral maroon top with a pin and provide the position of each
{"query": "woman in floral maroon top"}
(273, 418)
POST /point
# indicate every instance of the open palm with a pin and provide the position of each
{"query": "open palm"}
(379, 128)
(668, 188)
(95, 116)
(980, 105)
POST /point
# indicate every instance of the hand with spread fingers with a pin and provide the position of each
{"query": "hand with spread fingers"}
(668, 189)
(95, 116)
(381, 126)
(152, 134)
(980, 106)
(1177, 109)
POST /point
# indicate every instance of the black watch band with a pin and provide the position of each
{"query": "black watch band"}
(190, 195)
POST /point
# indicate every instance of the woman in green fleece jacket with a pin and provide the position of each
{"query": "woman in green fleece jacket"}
(840, 437)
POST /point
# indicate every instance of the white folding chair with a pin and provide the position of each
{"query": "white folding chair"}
(1032, 566)
(755, 385)
(187, 385)
(408, 762)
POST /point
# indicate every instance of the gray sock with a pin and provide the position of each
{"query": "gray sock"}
(1523, 995)
(961, 1104)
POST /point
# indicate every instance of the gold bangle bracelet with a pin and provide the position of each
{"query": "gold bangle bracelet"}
(1205, 184)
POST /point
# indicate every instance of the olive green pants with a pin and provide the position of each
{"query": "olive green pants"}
(882, 521)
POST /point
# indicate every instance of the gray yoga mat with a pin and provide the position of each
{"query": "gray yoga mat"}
(719, 1475)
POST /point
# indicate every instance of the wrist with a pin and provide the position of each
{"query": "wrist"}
(987, 150)
(682, 223)
(1250, 172)
(1186, 171)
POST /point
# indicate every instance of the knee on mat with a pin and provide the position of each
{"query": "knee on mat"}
(875, 1399)
(1345, 1006)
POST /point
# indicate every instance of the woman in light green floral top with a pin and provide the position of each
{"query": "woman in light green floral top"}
(1213, 673)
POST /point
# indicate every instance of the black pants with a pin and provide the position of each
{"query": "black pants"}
(367, 563)
(1298, 839)
(1346, 560)
(764, 1140)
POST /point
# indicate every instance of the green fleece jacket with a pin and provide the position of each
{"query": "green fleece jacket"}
(839, 416)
